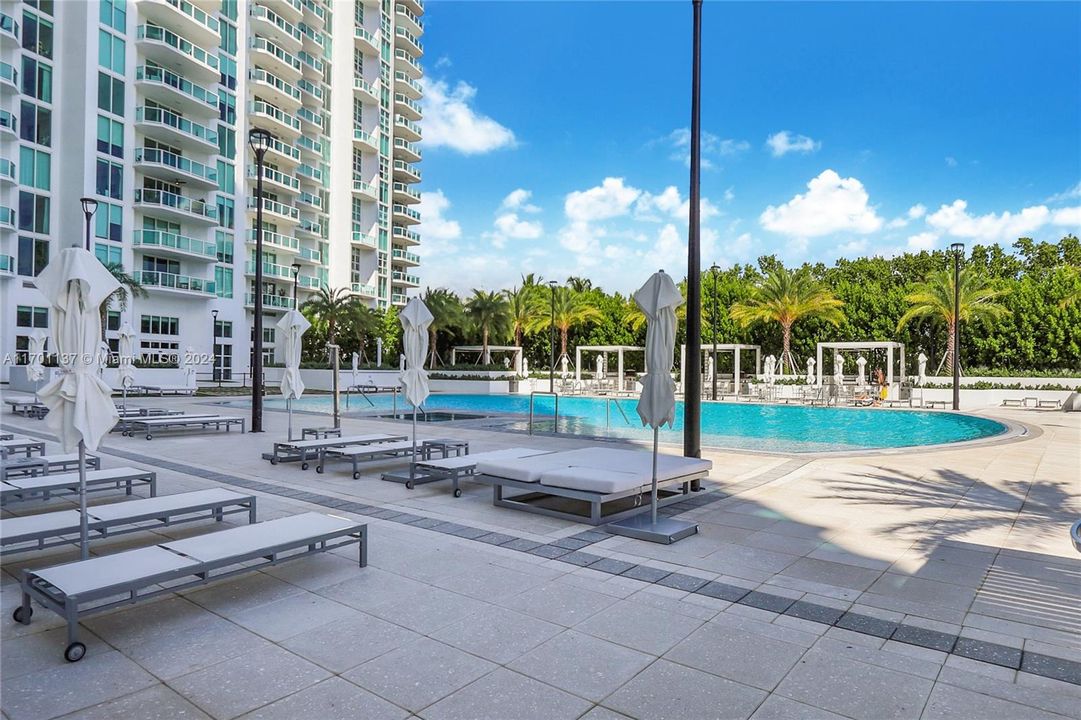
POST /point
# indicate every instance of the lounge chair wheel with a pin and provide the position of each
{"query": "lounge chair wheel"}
(75, 652)
(273, 461)
(356, 476)
(149, 436)
(20, 617)
(304, 466)
(409, 485)
(319, 469)
(458, 493)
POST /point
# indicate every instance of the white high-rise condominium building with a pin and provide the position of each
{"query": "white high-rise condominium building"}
(145, 106)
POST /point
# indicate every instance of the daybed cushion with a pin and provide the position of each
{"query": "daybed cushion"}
(632, 462)
(529, 469)
(592, 480)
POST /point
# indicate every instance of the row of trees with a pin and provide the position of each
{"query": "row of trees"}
(1018, 310)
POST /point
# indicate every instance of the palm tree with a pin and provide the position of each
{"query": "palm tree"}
(933, 299)
(128, 286)
(784, 297)
(447, 315)
(361, 322)
(523, 307)
(490, 314)
(571, 309)
(532, 280)
(580, 284)
(331, 307)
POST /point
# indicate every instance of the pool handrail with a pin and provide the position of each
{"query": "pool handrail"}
(608, 412)
(555, 417)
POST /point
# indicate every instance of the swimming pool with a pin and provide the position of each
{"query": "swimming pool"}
(775, 428)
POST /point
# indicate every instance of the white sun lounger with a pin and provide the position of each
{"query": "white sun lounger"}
(160, 390)
(182, 422)
(365, 453)
(27, 408)
(7, 436)
(44, 487)
(305, 450)
(124, 425)
(594, 485)
(45, 465)
(45, 530)
(463, 466)
(26, 446)
(103, 583)
(147, 412)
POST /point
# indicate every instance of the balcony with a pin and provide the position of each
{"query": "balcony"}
(404, 236)
(369, 190)
(9, 78)
(166, 243)
(166, 48)
(313, 9)
(408, 64)
(7, 266)
(8, 124)
(276, 211)
(405, 150)
(312, 146)
(9, 27)
(166, 87)
(407, 85)
(407, 128)
(366, 140)
(310, 255)
(401, 257)
(273, 26)
(275, 241)
(417, 6)
(276, 120)
(311, 200)
(270, 270)
(405, 215)
(175, 207)
(369, 239)
(273, 88)
(405, 194)
(310, 282)
(363, 289)
(366, 89)
(312, 89)
(312, 228)
(409, 19)
(172, 129)
(7, 218)
(292, 10)
(365, 41)
(186, 18)
(310, 173)
(406, 39)
(313, 38)
(283, 152)
(274, 302)
(273, 57)
(400, 278)
(312, 117)
(406, 106)
(179, 284)
(173, 168)
(398, 299)
(275, 179)
(406, 172)
(311, 65)
(7, 171)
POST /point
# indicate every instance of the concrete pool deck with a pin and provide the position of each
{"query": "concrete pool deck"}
(924, 583)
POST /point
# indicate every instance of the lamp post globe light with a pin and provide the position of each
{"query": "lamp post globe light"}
(260, 141)
(90, 206)
(552, 340)
(713, 269)
(958, 251)
(214, 344)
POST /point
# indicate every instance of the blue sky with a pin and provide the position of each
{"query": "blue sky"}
(555, 133)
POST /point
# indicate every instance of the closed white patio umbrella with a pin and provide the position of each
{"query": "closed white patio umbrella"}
(35, 369)
(81, 410)
(415, 319)
(126, 366)
(187, 364)
(293, 325)
(658, 300)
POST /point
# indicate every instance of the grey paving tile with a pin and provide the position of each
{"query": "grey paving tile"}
(737, 654)
(582, 664)
(722, 591)
(924, 637)
(1052, 667)
(374, 587)
(766, 601)
(988, 652)
(600, 713)
(331, 699)
(645, 573)
(679, 581)
(497, 634)
(781, 708)
(571, 543)
(504, 694)
(560, 603)
(291, 615)
(42, 651)
(948, 703)
(867, 625)
(611, 566)
(666, 691)
(549, 551)
(427, 612)
(579, 558)
(642, 627)
(495, 538)
(814, 612)
(154, 703)
(419, 674)
(245, 592)
(521, 544)
(346, 643)
(488, 582)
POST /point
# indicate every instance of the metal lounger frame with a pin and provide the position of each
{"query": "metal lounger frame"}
(155, 424)
(24, 447)
(202, 573)
(289, 452)
(214, 510)
(40, 465)
(373, 454)
(596, 500)
(72, 487)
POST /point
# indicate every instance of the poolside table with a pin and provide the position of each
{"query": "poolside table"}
(444, 446)
(320, 433)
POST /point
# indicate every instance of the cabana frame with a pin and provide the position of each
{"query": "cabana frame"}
(892, 349)
(737, 349)
(619, 350)
(515, 350)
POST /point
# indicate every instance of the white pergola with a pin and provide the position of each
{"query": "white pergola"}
(892, 350)
(604, 350)
(515, 350)
(737, 349)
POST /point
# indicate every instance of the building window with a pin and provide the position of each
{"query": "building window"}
(226, 178)
(226, 212)
(159, 351)
(34, 168)
(108, 254)
(28, 316)
(112, 320)
(37, 35)
(34, 213)
(113, 14)
(228, 71)
(160, 265)
(33, 256)
(223, 328)
(227, 107)
(108, 222)
(223, 281)
(159, 325)
(110, 179)
(111, 52)
(111, 94)
(45, 6)
(224, 243)
(110, 137)
(36, 124)
(37, 79)
(226, 141)
(228, 37)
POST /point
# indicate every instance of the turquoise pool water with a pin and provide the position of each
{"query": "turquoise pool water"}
(778, 428)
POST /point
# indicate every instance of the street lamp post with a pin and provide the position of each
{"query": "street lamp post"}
(958, 251)
(296, 280)
(552, 340)
(713, 271)
(90, 206)
(214, 344)
(259, 140)
(692, 377)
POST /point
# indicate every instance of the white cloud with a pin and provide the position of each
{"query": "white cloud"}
(1067, 216)
(608, 200)
(1068, 194)
(831, 204)
(450, 121)
(954, 219)
(785, 141)
(729, 195)
(434, 225)
(670, 204)
(509, 225)
(680, 140)
(922, 241)
(951, 161)
(519, 200)
(917, 211)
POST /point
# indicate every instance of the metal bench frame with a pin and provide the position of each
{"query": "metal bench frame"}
(100, 529)
(41, 465)
(24, 447)
(157, 424)
(71, 487)
(27, 408)
(289, 452)
(372, 453)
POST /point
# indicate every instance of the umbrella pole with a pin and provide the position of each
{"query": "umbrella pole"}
(653, 493)
(84, 532)
(289, 407)
(413, 464)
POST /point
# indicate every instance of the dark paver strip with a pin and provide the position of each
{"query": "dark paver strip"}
(679, 581)
(549, 551)
(611, 566)
(646, 573)
(767, 601)
(722, 591)
(923, 637)
(815, 612)
(1052, 667)
(988, 652)
(867, 625)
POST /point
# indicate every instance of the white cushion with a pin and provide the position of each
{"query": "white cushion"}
(592, 480)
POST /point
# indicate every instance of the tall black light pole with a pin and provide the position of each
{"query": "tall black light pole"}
(692, 372)
(296, 279)
(713, 271)
(552, 340)
(90, 206)
(214, 344)
(259, 140)
(958, 251)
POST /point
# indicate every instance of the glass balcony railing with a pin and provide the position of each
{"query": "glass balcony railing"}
(408, 124)
(270, 300)
(9, 74)
(265, 13)
(364, 86)
(177, 202)
(285, 149)
(181, 243)
(312, 34)
(273, 206)
(399, 299)
(369, 239)
(315, 9)
(401, 233)
(288, 89)
(196, 14)
(7, 265)
(7, 217)
(311, 61)
(364, 137)
(405, 278)
(361, 34)
(403, 10)
(313, 173)
(310, 144)
(185, 165)
(311, 254)
(408, 102)
(263, 108)
(270, 270)
(401, 77)
(406, 35)
(285, 242)
(310, 116)
(311, 282)
(409, 60)
(7, 169)
(8, 122)
(367, 188)
(406, 190)
(411, 148)
(276, 176)
(311, 88)
(364, 289)
(288, 58)
(167, 118)
(182, 46)
(152, 279)
(409, 212)
(313, 227)
(311, 200)
(163, 76)
(405, 167)
(407, 256)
